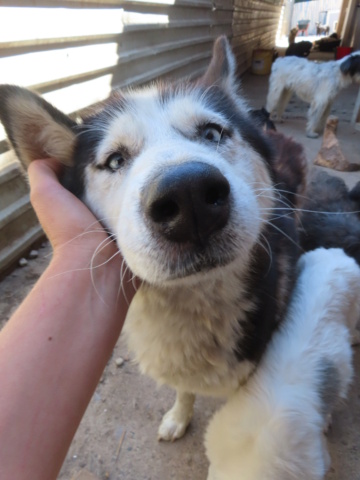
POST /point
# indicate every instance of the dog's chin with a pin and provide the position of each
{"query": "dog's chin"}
(192, 274)
(189, 264)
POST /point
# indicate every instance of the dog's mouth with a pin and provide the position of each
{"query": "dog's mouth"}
(188, 259)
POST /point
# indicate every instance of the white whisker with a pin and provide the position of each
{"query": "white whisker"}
(267, 249)
(92, 268)
(123, 270)
(283, 233)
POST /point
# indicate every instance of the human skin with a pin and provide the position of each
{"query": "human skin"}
(56, 345)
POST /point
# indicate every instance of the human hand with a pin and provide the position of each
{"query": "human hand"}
(79, 241)
(56, 345)
(70, 226)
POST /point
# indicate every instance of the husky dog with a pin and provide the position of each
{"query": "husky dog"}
(315, 83)
(187, 183)
(272, 428)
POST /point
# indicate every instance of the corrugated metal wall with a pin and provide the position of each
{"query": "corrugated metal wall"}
(255, 25)
(74, 52)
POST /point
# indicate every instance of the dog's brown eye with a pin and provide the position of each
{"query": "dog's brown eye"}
(114, 161)
(212, 132)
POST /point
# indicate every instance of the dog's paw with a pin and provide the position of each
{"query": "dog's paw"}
(176, 420)
(312, 134)
(277, 119)
(171, 427)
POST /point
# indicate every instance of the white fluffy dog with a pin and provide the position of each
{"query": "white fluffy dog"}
(272, 428)
(315, 83)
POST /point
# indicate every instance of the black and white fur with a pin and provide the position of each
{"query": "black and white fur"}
(316, 83)
(299, 49)
(187, 184)
(273, 427)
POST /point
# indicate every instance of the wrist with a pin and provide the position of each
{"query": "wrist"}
(78, 254)
(86, 271)
(102, 281)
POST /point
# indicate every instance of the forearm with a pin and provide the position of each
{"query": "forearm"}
(57, 342)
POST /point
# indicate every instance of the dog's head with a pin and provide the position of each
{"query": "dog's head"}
(293, 32)
(176, 171)
(350, 65)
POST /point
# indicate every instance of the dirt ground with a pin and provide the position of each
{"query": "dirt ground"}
(117, 437)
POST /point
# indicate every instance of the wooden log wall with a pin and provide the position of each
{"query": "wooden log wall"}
(255, 24)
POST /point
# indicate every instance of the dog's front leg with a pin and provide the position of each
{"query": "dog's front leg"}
(320, 127)
(176, 420)
(315, 113)
(282, 104)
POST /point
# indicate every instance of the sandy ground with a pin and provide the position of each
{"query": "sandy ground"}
(117, 437)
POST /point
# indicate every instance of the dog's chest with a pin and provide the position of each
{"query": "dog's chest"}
(188, 338)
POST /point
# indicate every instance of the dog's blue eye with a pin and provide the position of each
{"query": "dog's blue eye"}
(114, 161)
(212, 132)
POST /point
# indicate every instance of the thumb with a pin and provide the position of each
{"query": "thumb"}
(61, 214)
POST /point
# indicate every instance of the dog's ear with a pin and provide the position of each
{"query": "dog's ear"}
(345, 65)
(35, 128)
(222, 68)
(289, 167)
(350, 65)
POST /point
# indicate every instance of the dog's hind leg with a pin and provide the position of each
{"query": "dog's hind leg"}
(283, 101)
(273, 96)
(320, 128)
(176, 420)
(277, 100)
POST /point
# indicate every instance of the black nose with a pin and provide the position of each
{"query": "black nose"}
(188, 202)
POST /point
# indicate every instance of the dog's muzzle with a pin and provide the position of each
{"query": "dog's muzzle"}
(187, 202)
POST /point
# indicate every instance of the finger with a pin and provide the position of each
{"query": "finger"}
(44, 181)
(48, 166)
(46, 190)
